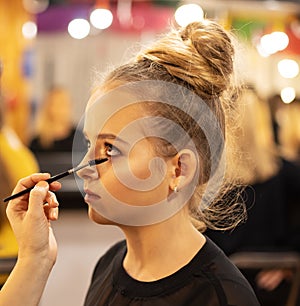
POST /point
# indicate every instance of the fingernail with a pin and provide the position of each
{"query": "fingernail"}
(54, 214)
(42, 184)
(55, 201)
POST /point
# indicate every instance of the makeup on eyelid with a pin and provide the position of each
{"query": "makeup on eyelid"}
(112, 150)
(106, 148)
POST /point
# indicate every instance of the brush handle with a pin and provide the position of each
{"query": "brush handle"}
(49, 180)
(57, 177)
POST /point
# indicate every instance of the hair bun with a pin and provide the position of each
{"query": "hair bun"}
(201, 54)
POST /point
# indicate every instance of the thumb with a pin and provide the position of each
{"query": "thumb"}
(37, 197)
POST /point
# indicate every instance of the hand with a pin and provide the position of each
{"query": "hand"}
(30, 217)
(271, 279)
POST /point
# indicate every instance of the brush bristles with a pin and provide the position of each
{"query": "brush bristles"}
(97, 161)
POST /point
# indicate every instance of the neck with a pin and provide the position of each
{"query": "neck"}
(159, 250)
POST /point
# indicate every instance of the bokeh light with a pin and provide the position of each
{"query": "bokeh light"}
(79, 28)
(29, 30)
(35, 6)
(101, 18)
(272, 43)
(288, 94)
(288, 68)
(188, 13)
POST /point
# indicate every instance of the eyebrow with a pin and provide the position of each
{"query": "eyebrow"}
(111, 136)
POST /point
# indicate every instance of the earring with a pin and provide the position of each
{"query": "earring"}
(175, 189)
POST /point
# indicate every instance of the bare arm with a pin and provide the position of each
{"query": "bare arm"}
(30, 221)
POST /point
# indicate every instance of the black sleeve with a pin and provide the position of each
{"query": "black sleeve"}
(291, 179)
(291, 175)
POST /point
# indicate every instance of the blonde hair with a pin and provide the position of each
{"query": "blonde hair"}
(289, 131)
(258, 157)
(48, 119)
(198, 57)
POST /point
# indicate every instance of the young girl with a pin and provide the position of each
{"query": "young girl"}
(161, 121)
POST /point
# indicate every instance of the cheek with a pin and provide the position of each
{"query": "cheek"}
(144, 165)
(121, 185)
(139, 168)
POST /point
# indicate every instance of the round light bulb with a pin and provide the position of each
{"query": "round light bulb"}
(272, 43)
(288, 68)
(101, 18)
(288, 94)
(281, 39)
(188, 13)
(29, 30)
(79, 28)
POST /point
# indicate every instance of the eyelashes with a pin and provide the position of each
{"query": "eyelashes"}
(110, 149)
(87, 144)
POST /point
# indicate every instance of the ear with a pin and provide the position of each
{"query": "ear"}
(184, 167)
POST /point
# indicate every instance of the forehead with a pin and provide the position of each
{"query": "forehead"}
(111, 113)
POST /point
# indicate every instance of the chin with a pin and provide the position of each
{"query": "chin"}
(97, 218)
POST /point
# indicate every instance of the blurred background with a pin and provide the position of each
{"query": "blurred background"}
(51, 52)
(46, 43)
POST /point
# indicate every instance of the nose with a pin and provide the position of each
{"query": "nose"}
(89, 172)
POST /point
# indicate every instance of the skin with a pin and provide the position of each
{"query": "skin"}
(30, 220)
(153, 250)
(271, 279)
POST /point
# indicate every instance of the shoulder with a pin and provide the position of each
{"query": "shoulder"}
(227, 281)
(107, 259)
(288, 166)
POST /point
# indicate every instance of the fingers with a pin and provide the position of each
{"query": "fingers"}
(37, 197)
(51, 207)
(51, 199)
(55, 186)
(51, 212)
(40, 195)
(269, 280)
(32, 180)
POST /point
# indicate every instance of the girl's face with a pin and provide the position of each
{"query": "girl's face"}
(133, 174)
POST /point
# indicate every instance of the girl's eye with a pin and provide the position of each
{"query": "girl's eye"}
(111, 150)
(87, 143)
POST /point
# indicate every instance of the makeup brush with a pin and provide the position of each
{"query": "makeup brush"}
(58, 176)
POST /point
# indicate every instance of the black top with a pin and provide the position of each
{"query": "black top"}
(209, 279)
(61, 145)
(273, 209)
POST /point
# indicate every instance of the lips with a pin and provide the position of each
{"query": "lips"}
(90, 196)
